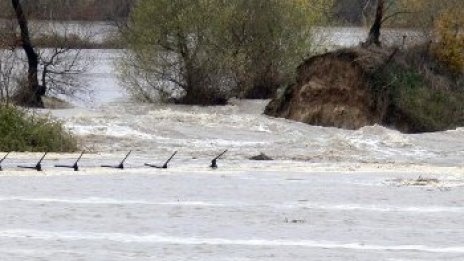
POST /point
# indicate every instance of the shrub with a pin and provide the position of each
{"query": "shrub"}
(427, 109)
(416, 103)
(206, 51)
(431, 110)
(269, 38)
(172, 51)
(22, 132)
(450, 46)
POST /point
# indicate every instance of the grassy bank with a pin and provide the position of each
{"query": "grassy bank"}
(20, 131)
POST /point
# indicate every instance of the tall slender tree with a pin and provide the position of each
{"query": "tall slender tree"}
(374, 33)
(32, 95)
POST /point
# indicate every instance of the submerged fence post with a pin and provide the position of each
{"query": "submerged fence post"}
(3, 159)
(37, 166)
(214, 161)
(75, 166)
(165, 165)
(121, 164)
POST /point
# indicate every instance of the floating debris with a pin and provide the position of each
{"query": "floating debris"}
(262, 157)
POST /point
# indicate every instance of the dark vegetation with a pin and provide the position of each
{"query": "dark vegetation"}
(20, 131)
(71, 41)
(74, 41)
(89, 10)
(424, 94)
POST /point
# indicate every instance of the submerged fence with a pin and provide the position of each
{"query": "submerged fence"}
(76, 167)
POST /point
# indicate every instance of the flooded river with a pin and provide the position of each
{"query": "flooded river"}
(330, 194)
(256, 214)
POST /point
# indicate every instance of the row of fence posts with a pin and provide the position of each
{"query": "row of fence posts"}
(75, 166)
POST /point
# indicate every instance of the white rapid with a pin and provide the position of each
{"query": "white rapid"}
(106, 120)
(245, 131)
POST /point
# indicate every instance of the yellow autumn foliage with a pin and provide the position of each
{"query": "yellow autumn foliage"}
(316, 10)
(449, 48)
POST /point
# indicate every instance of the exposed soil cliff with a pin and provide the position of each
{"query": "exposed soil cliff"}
(352, 88)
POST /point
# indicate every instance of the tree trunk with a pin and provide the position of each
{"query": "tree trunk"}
(33, 95)
(374, 33)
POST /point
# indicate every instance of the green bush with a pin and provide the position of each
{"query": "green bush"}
(204, 52)
(22, 132)
(449, 49)
(268, 40)
(432, 110)
(172, 50)
(417, 103)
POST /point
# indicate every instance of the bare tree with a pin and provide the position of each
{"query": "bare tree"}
(32, 96)
(374, 32)
(62, 62)
(7, 74)
(61, 70)
(57, 60)
(8, 56)
(385, 10)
